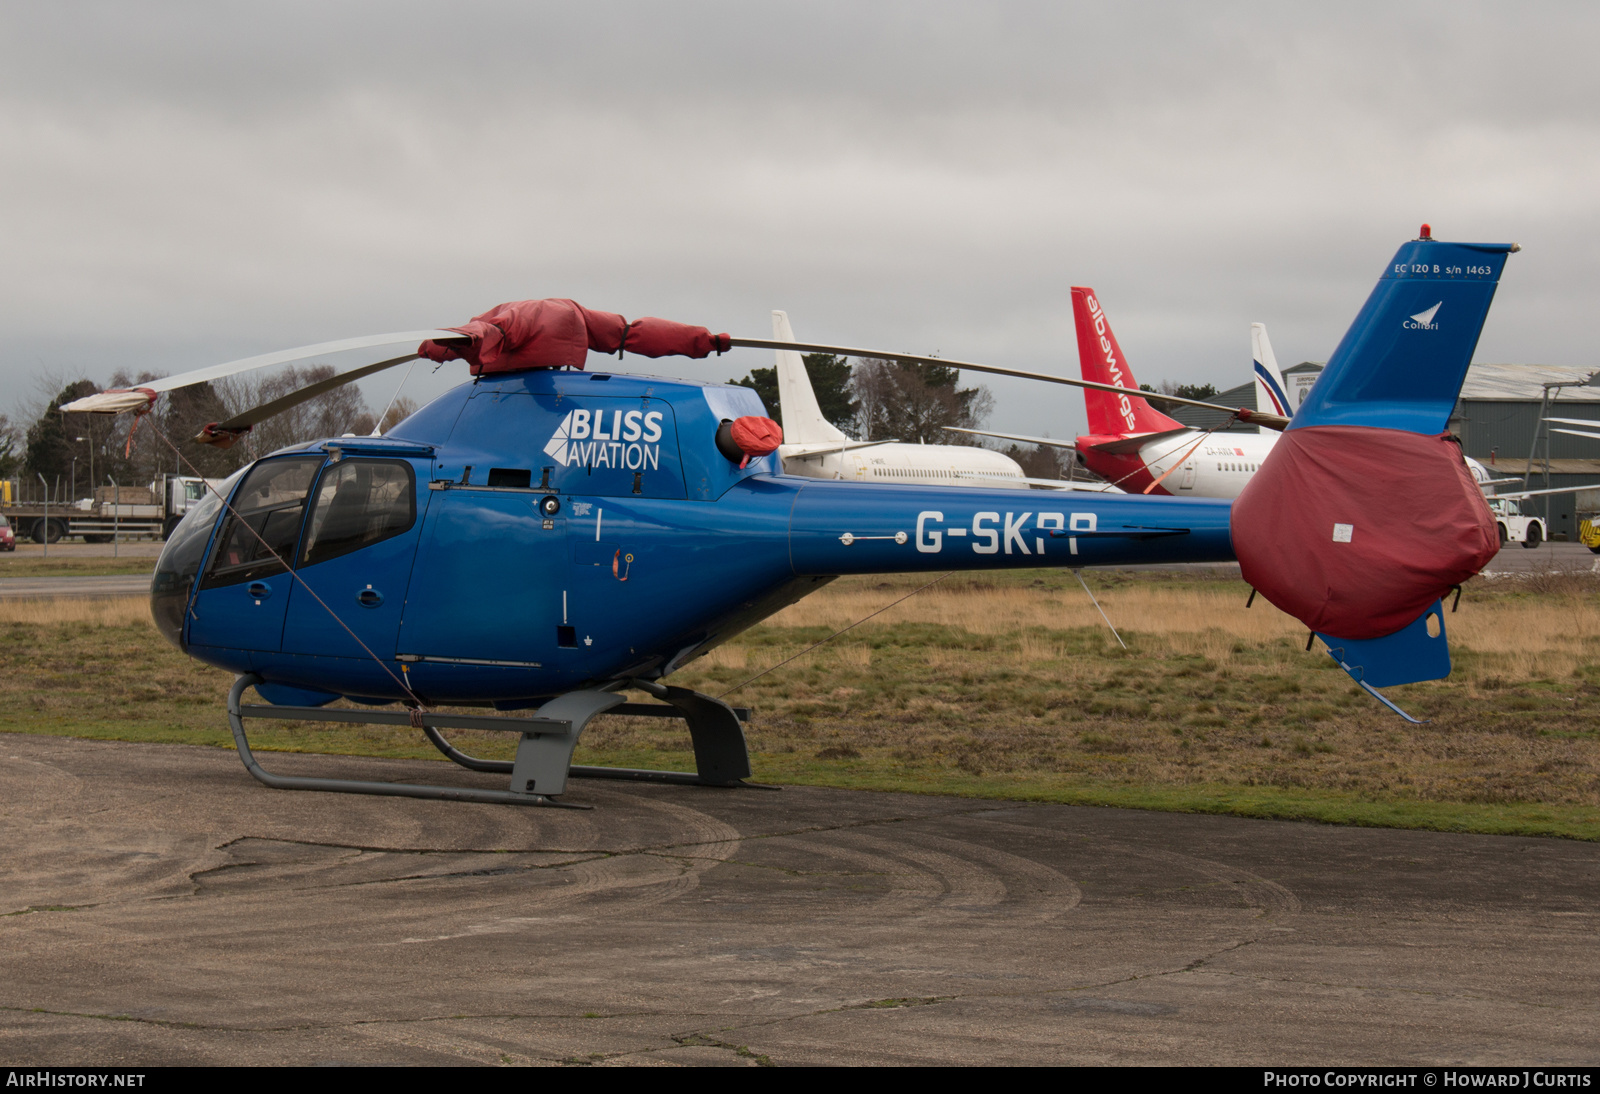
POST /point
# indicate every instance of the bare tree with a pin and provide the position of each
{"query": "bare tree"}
(913, 403)
(332, 414)
(401, 409)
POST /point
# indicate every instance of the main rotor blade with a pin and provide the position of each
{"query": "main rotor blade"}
(114, 402)
(1020, 437)
(261, 413)
(1271, 421)
(1540, 493)
(1577, 433)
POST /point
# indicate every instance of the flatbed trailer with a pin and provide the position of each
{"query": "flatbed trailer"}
(131, 512)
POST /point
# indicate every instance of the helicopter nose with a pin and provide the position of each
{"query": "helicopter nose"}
(179, 564)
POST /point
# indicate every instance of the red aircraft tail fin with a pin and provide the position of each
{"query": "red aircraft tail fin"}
(1102, 362)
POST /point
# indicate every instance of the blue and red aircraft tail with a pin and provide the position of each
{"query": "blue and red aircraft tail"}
(1365, 513)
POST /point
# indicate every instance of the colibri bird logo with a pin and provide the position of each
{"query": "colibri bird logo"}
(1423, 320)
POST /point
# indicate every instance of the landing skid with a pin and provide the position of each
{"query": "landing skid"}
(544, 753)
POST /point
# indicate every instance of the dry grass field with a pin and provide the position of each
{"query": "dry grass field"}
(1012, 686)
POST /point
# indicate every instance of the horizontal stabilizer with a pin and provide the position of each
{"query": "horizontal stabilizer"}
(822, 448)
(1137, 442)
(1408, 656)
(1019, 437)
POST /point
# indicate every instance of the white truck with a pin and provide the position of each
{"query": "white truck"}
(1514, 527)
(125, 512)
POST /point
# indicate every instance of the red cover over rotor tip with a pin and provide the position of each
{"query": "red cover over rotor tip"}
(756, 436)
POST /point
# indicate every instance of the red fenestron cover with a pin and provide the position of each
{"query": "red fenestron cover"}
(559, 333)
(756, 436)
(1355, 530)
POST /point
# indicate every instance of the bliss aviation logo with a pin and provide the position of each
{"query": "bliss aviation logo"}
(621, 439)
(1423, 320)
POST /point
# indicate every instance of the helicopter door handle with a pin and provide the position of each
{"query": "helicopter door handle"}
(259, 590)
(369, 598)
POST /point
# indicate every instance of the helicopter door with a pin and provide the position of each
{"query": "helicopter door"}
(245, 591)
(360, 538)
(487, 585)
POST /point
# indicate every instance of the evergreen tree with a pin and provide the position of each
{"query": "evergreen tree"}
(52, 441)
(764, 381)
(1183, 391)
(830, 380)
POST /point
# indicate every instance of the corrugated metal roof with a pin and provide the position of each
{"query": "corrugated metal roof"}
(1522, 382)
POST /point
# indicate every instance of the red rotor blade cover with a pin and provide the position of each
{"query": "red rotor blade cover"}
(557, 333)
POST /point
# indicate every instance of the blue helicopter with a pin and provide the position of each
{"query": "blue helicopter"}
(545, 538)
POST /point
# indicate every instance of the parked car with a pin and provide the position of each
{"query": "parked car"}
(8, 538)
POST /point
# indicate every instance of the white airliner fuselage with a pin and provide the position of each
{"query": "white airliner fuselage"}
(815, 448)
(935, 464)
(1214, 466)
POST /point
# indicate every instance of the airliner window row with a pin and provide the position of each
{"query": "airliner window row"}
(916, 473)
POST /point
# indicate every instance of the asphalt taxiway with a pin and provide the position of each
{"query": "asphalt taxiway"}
(161, 907)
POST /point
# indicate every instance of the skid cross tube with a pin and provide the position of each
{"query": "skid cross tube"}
(544, 753)
(539, 772)
(721, 756)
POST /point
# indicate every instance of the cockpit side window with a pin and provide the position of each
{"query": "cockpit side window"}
(264, 522)
(358, 503)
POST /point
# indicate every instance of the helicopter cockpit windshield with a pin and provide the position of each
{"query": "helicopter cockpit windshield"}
(265, 522)
(181, 557)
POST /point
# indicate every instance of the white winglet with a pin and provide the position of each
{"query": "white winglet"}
(115, 402)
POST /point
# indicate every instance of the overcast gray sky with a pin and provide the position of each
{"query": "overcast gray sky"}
(185, 183)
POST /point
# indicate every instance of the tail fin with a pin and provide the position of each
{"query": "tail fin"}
(803, 422)
(1364, 515)
(1401, 363)
(1270, 394)
(1101, 360)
